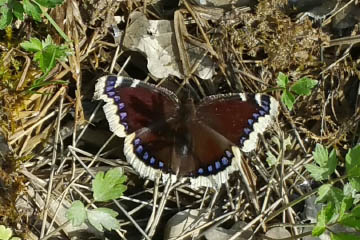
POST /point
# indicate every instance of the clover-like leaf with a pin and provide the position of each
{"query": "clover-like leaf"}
(288, 99)
(318, 173)
(321, 155)
(282, 80)
(5, 233)
(76, 213)
(303, 86)
(109, 186)
(325, 164)
(32, 10)
(46, 52)
(102, 218)
(34, 45)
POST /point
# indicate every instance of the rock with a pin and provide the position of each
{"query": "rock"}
(182, 222)
(220, 233)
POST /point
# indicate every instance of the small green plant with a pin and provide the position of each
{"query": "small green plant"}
(341, 206)
(46, 53)
(302, 87)
(271, 159)
(15, 8)
(106, 187)
(326, 163)
(6, 234)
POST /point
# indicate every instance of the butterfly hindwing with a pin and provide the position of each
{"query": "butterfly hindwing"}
(213, 157)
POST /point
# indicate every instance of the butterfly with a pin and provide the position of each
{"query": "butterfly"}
(181, 138)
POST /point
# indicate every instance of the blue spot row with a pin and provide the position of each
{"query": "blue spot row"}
(264, 109)
(265, 100)
(218, 166)
(145, 156)
(111, 93)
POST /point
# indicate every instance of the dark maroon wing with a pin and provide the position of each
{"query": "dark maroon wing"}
(222, 125)
(132, 104)
(143, 114)
(238, 117)
(198, 152)
(212, 157)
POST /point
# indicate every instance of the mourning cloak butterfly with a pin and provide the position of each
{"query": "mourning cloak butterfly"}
(164, 135)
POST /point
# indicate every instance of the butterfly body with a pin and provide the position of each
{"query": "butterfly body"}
(180, 138)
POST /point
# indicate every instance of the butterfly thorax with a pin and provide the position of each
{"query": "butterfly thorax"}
(183, 147)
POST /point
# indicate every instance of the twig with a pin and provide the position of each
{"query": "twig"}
(54, 154)
(161, 208)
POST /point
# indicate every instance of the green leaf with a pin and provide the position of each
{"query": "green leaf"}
(6, 17)
(288, 99)
(327, 164)
(348, 190)
(102, 218)
(109, 186)
(47, 42)
(32, 10)
(323, 193)
(318, 173)
(352, 162)
(5, 233)
(346, 204)
(355, 183)
(34, 45)
(46, 52)
(49, 3)
(328, 193)
(76, 213)
(18, 10)
(323, 218)
(271, 159)
(344, 236)
(332, 162)
(303, 86)
(46, 58)
(350, 220)
(3, 2)
(282, 80)
(321, 155)
(356, 211)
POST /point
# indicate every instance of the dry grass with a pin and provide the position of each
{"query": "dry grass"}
(249, 49)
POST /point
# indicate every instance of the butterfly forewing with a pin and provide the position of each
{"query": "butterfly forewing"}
(238, 117)
(132, 105)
